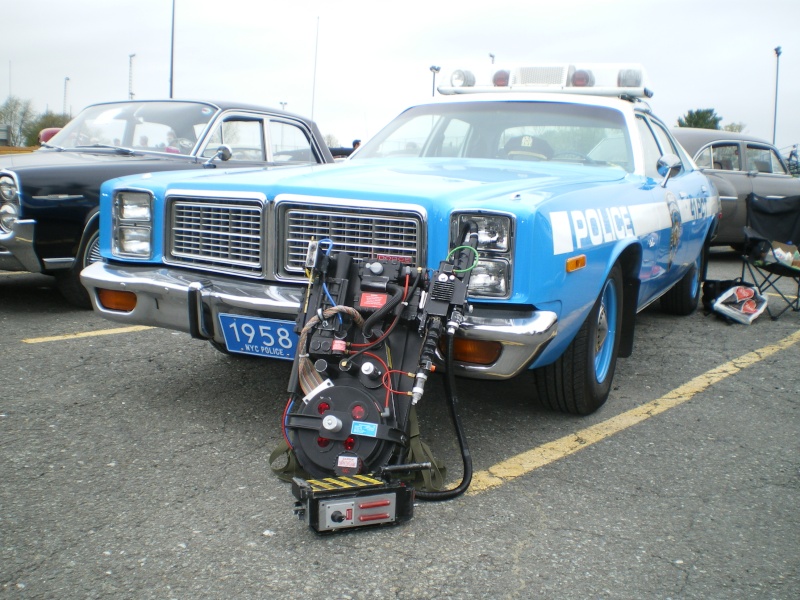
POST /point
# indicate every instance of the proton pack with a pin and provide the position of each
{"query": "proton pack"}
(368, 338)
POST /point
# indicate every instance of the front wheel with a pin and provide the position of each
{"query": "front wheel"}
(69, 281)
(579, 381)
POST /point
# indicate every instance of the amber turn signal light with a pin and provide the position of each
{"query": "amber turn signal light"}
(576, 262)
(477, 352)
(116, 300)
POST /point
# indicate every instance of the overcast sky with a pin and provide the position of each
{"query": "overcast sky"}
(353, 65)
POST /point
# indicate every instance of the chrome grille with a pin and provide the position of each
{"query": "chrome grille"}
(217, 235)
(363, 233)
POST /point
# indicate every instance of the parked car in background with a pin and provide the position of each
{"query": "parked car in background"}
(49, 198)
(585, 209)
(737, 164)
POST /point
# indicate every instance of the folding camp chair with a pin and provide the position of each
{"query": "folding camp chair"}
(770, 222)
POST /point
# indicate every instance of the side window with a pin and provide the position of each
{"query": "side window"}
(666, 143)
(244, 138)
(763, 160)
(663, 139)
(651, 150)
(722, 157)
(289, 143)
(705, 161)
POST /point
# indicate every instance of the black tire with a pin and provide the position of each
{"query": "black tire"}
(69, 281)
(684, 297)
(579, 381)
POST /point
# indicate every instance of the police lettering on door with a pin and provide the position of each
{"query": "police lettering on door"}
(577, 229)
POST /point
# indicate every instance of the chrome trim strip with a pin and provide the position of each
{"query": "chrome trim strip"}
(60, 197)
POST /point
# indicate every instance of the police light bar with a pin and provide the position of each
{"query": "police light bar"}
(599, 79)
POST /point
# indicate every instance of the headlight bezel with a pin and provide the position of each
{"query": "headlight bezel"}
(495, 252)
(9, 201)
(132, 224)
(8, 181)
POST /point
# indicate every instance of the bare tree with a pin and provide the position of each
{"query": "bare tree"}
(16, 114)
(737, 127)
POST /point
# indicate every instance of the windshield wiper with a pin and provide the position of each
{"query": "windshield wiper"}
(46, 145)
(117, 149)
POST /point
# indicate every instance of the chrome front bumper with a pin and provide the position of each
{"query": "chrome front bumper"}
(185, 301)
(16, 248)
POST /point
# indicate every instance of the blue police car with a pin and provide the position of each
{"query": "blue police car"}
(586, 211)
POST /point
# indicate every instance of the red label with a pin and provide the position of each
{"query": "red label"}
(373, 300)
(744, 293)
(338, 346)
(406, 260)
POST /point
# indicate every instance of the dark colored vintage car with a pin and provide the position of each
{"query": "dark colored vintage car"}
(49, 198)
(737, 164)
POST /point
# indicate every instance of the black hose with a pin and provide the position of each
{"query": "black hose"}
(466, 457)
(378, 315)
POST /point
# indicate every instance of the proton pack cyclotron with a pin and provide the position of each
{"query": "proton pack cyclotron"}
(369, 335)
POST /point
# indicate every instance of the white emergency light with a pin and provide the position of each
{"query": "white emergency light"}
(599, 79)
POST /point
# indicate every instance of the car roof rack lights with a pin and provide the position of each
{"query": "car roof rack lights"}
(598, 79)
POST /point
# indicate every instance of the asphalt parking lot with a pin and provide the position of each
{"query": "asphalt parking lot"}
(136, 465)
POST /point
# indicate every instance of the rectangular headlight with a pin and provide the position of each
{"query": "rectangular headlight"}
(494, 231)
(489, 279)
(133, 241)
(134, 206)
(492, 274)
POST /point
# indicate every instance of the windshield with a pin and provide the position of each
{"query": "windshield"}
(158, 126)
(507, 130)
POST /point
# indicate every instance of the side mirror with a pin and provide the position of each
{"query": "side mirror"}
(223, 153)
(669, 165)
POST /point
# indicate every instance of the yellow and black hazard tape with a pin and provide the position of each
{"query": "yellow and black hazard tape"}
(343, 483)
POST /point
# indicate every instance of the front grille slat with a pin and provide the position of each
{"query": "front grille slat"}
(364, 234)
(228, 236)
(223, 236)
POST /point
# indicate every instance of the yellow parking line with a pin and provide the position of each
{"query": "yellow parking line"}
(524, 463)
(72, 336)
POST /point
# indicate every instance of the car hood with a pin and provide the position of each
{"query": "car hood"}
(55, 158)
(406, 180)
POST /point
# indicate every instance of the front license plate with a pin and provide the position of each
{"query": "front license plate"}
(271, 338)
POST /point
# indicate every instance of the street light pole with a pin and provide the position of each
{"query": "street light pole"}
(64, 110)
(172, 50)
(777, 67)
(283, 105)
(130, 76)
(434, 70)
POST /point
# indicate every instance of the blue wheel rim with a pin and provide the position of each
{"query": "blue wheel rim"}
(698, 264)
(606, 331)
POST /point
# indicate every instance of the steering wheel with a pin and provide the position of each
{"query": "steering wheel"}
(572, 154)
(184, 145)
